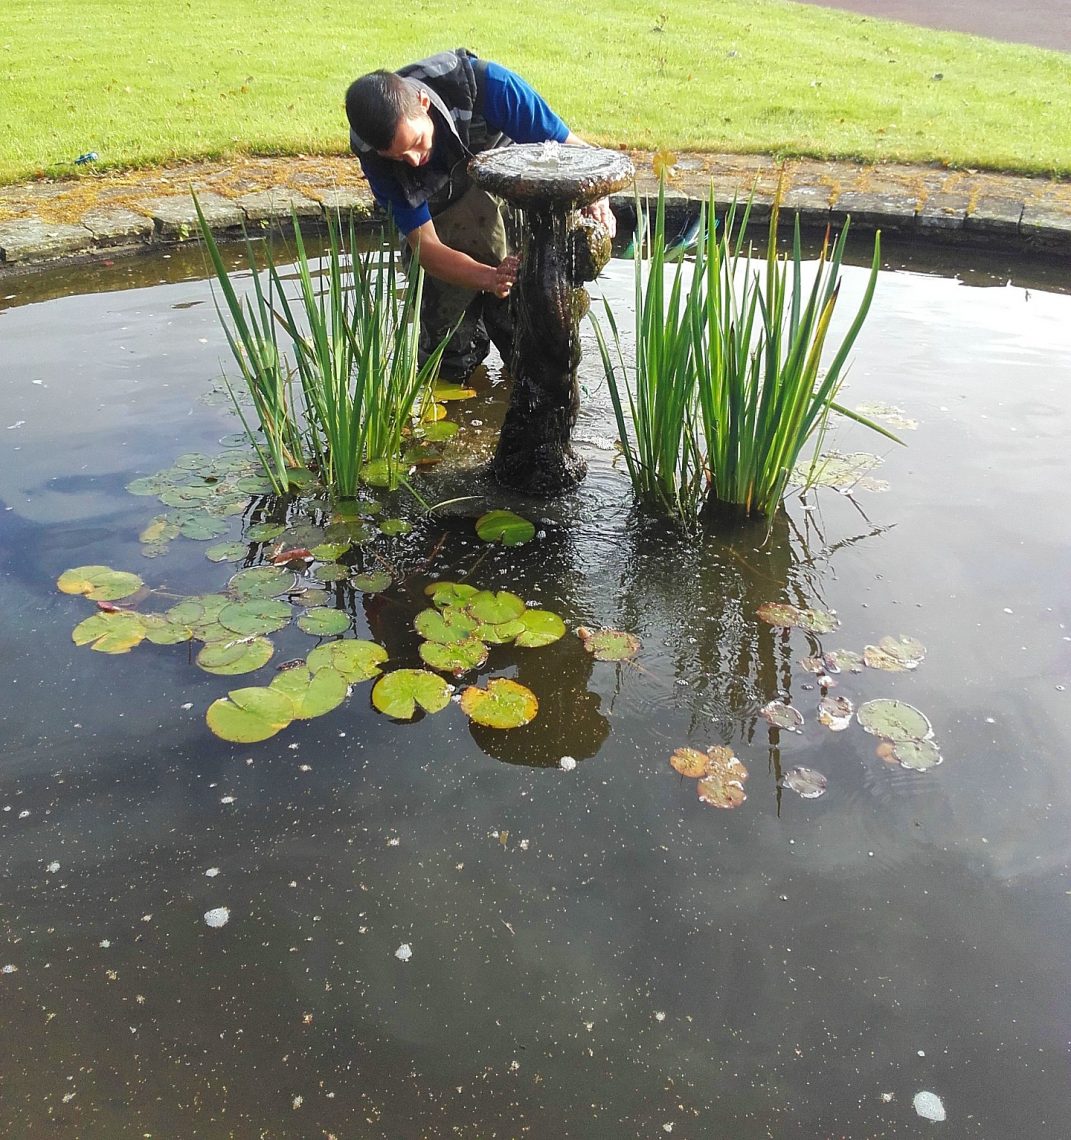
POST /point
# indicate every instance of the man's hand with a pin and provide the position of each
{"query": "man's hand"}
(601, 212)
(505, 275)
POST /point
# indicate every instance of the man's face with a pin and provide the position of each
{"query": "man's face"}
(414, 137)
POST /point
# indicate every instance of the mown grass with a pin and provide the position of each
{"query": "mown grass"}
(148, 82)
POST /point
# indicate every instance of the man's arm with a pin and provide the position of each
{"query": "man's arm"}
(457, 268)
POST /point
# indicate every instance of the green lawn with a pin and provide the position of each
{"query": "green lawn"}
(147, 81)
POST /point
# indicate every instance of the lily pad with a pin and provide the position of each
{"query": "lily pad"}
(245, 716)
(609, 644)
(895, 654)
(255, 615)
(919, 755)
(160, 630)
(839, 471)
(783, 716)
(444, 390)
(457, 657)
(447, 627)
(503, 704)
(371, 582)
(322, 621)
(695, 764)
(401, 693)
(330, 551)
(99, 583)
(787, 616)
(438, 432)
(110, 632)
(895, 720)
(491, 608)
(723, 784)
(332, 572)
(312, 693)
(500, 634)
(264, 531)
(805, 782)
(504, 527)
(444, 594)
(356, 660)
(394, 527)
(159, 529)
(227, 551)
(262, 582)
(228, 658)
(835, 713)
(198, 525)
(846, 660)
(541, 627)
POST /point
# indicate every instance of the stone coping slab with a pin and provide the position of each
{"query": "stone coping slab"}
(41, 222)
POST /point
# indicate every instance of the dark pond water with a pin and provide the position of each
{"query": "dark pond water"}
(594, 952)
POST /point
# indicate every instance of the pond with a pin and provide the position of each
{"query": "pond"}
(363, 927)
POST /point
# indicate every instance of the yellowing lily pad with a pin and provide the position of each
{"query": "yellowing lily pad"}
(835, 713)
(262, 582)
(256, 615)
(895, 720)
(723, 784)
(895, 654)
(444, 390)
(401, 693)
(159, 529)
(99, 583)
(245, 716)
(457, 657)
(846, 660)
(228, 658)
(504, 527)
(322, 621)
(312, 694)
(695, 764)
(491, 608)
(787, 616)
(110, 632)
(503, 704)
(609, 644)
(541, 627)
(355, 660)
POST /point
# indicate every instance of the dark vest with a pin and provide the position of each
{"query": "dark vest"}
(454, 82)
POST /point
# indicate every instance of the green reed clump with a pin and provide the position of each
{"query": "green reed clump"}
(352, 384)
(727, 387)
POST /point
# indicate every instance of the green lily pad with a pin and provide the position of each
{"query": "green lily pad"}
(312, 693)
(609, 644)
(457, 657)
(447, 627)
(444, 594)
(99, 583)
(309, 599)
(228, 658)
(401, 693)
(723, 784)
(159, 529)
(783, 716)
(394, 527)
(255, 485)
(503, 704)
(321, 621)
(355, 660)
(438, 432)
(500, 634)
(148, 485)
(895, 654)
(841, 472)
(918, 755)
(787, 616)
(504, 527)
(198, 525)
(227, 551)
(245, 716)
(372, 582)
(330, 551)
(262, 582)
(196, 610)
(264, 531)
(299, 478)
(846, 660)
(895, 720)
(445, 390)
(160, 630)
(332, 572)
(541, 627)
(491, 608)
(110, 632)
(191, 461)
(379, 473)
(255, 615)
(835, 713)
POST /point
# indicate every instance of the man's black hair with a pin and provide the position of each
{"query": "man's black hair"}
(375, 105)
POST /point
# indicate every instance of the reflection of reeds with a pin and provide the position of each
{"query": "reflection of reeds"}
(352, 331)
(726, 389)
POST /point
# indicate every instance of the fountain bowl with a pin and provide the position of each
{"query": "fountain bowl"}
(542, 174)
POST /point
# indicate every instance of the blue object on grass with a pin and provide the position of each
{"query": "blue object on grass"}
(89, 156)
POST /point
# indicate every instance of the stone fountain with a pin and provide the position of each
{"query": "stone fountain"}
(560, 250)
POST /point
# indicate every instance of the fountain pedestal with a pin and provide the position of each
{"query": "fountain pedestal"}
(550, 184)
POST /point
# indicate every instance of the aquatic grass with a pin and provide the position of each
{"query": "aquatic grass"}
(727, 386)
(356, 384)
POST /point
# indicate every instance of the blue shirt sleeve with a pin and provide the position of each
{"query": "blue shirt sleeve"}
(515, 108)
(406, 218)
